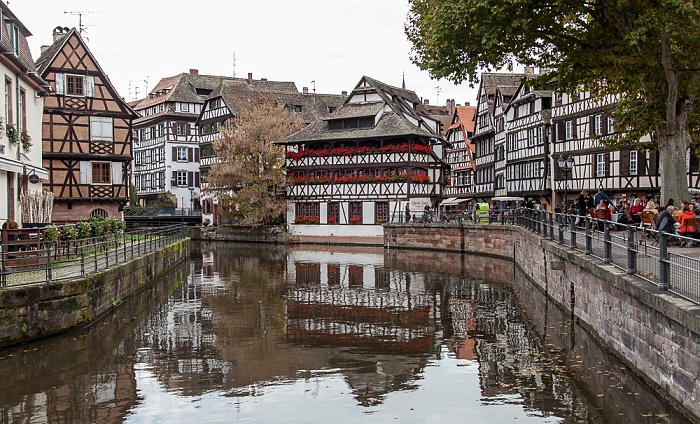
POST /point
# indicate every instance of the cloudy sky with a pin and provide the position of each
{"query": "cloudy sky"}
(333, 43)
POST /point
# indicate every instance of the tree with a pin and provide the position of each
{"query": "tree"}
(646, 51)
(249, 175)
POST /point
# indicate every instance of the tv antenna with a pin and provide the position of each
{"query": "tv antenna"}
(437, 94)
(81, 28)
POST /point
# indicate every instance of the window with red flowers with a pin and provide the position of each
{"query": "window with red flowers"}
(333, 212)
(355, 212)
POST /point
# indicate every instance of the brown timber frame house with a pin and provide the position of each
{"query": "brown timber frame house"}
(87, 144)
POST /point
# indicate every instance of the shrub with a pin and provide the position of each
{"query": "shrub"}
(50, 236)
(83, 230)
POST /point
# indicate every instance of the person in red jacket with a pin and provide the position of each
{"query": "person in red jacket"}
(683, 228)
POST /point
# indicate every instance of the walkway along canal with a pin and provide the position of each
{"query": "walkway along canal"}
(49, 290)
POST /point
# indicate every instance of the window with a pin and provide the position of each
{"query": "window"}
(297, 108)
(184, 107)
(598, 125)
(633, 162)
(182, 154)
(101, 129)
(101, 173)
(99, 212)
(569, 130)
(611, 128)
(355, 212)
(8, 100)
(308, 213)
(600, 165)
(74, 85)
(181, 129)
(182, 178)
(382, 212)
(22, 110)
(333, 212)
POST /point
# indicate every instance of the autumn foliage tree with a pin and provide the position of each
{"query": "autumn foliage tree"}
(249, 177)
(646, 51)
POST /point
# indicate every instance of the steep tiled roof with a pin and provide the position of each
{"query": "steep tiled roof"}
(392, 123)
(466, 117)
(47, 55)
(182, 88)
(492, 81)
(23, 57)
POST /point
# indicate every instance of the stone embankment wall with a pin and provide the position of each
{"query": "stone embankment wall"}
(40, 310)
(239, 233)
(655, 333)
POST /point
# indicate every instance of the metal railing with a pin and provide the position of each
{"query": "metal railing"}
(652, 255)
(158, 211)
(68, 259)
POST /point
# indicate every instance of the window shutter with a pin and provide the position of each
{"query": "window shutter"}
(173, 181)
(694, 162)
(85, 172)
(60, 84)
(89, 86)
(117, 173)
(654, 163)
(641, 163)
(594, 172)
(591, 125)
(604, 123)
(607, 164)
(624, 163)
(190, 155)
(574, 129)
(196, 154)
(561, 131)
(174, 158)
(190, 179)
(196, 179)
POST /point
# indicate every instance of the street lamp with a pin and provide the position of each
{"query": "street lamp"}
(566, 164)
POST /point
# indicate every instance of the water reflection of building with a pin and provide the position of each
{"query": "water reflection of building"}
(342, 301)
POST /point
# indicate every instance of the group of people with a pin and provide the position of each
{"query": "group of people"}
(669, 217)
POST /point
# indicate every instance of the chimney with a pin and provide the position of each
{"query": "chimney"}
(529, 70)
(305, 90)
(194, 71)
(59, 32)
(44, 48)
(426, 102)
(467, 104)
(263, 79)
(343, 93)
(250, 78)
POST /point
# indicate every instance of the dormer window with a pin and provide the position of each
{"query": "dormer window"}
(297, 108)
(351, 123)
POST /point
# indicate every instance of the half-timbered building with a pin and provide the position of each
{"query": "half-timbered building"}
(460, 156)
(363, 164)
(527, 123)
(87, 130)
(167, 151)
(580, 124)
(493, 95)
(231, 97)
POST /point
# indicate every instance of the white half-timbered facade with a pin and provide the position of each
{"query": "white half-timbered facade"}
(493, 91)
(527, 122)
(362, 165)
(580, 123)
(460, 157)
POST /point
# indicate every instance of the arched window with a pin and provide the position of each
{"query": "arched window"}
(99, 212)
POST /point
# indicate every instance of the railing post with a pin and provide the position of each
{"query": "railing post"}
(664, 268)
(95, 256)
(561, 232)
(631, 251)
(106, 256)
(607, 244)
(551, 225)
(3, 270)
(589, 236)
(124, 245)
(49, 275)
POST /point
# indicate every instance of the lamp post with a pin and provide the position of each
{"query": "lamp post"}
(566, 164)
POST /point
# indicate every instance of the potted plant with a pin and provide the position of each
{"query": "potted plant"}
(12, 135)
(26, 140)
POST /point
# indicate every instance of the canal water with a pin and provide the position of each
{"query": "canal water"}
(318, 334)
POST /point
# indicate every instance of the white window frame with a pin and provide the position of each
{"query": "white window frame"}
(181, 179)
(181, 154)
(611, 127)
(101, 128)
(184, 107)
(598, 125)
(600, 165)
(634, 162)
(569, 133)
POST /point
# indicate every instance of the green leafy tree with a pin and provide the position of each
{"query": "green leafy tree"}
(646, 51)
(249, 177)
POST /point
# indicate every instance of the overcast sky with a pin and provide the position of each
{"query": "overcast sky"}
(331, 42)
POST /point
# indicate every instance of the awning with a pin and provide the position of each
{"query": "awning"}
(507, 198)
(453, 201)
(19, 168)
